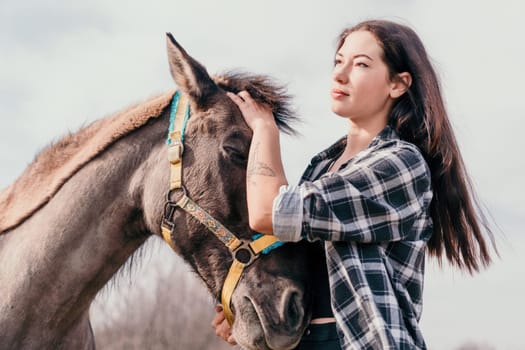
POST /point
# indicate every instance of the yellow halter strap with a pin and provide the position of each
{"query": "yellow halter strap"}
(244, 252)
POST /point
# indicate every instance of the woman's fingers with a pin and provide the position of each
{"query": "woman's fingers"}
(235, 98)
(252, 111)
(224, 331)
(222, 327)
(217, 320)
(231, 340)
(243, 100)
(245, 96)
(219, 317)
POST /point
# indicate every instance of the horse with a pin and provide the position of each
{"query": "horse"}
(79, 216)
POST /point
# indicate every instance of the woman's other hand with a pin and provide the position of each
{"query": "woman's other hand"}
(221, 326)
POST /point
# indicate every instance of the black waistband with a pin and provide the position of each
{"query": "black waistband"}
(320, 337)
(321, 332)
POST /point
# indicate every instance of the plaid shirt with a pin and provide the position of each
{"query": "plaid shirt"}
(373, 214)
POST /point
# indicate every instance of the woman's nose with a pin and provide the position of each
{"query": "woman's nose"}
(340, 75)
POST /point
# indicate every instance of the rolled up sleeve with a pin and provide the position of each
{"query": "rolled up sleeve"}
(287, 214)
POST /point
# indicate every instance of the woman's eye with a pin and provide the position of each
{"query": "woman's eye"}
(336, 62)
(361, 64)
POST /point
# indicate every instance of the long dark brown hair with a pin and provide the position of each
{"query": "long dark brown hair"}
(420, 117)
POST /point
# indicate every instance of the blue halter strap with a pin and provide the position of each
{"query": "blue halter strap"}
(173, 112)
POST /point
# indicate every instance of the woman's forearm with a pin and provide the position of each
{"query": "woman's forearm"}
(265, 175)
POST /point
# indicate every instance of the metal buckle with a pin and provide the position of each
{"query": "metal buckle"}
(169, 210)
(175, 151)
(244, 253)
(170, 207)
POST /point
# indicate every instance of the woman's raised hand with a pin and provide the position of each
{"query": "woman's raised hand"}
(254, 113)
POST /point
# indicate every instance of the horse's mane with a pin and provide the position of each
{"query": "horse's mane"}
(265, 90)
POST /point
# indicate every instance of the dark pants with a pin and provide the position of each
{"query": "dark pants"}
(320, 337)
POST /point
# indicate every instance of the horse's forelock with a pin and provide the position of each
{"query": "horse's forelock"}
(265, 90)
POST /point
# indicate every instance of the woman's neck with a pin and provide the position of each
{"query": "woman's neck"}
(359, 137)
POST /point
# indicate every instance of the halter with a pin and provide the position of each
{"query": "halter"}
(244, 252)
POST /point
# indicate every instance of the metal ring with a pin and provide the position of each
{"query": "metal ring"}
(245, 247)
(170, 207)
(173, 190)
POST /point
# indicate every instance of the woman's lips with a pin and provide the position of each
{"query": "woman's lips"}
(336, 93)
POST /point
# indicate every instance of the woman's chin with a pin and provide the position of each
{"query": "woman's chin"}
(340, 113)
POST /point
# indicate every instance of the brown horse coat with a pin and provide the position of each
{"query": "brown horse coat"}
(58, 162)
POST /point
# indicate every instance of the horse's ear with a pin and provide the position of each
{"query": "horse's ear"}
(189, 75)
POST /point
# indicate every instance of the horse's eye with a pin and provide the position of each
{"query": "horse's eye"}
(235, 147)
(235, 155)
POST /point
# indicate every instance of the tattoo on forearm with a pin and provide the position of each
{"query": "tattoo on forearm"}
(257, 167)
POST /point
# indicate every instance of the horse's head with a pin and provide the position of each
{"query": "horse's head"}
(271, 300)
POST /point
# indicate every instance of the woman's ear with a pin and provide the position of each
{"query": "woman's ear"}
(400, 84)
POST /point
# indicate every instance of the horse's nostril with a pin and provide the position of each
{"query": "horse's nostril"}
(293, 311)
(293, 308)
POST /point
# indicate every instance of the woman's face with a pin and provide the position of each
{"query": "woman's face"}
(360, 85)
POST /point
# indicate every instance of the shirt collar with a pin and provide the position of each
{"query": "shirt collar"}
(387, 134)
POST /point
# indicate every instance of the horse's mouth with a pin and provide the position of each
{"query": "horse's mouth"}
(251, 331)
(247, 328)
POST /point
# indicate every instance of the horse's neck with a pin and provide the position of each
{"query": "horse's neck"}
(53, 265)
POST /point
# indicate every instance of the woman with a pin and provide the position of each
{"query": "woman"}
(394, 187)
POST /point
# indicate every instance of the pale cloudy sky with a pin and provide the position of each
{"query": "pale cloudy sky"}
(63, 64)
